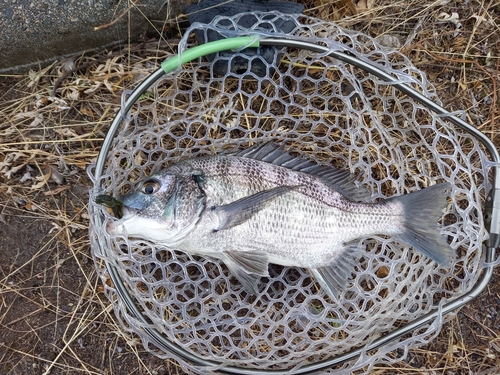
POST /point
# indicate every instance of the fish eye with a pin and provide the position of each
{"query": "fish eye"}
(150, 186)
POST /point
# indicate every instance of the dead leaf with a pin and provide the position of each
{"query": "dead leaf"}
(365, 5)
(480, 19)
(52, 102)
(9, 172)
(56, 176)
(139, 73)
(382, 272)
(445, 17)
(35, 115)
(362, 5)
(452, 18)
(389, 40)
(42, 180)
(71, 93)
(26, 177)
(56, 191)
(87, 112)
(36, 76)
(66, 132)
(6, 165)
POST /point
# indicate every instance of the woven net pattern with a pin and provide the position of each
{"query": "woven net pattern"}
(337, 115)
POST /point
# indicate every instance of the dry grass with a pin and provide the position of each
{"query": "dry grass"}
(54, 318)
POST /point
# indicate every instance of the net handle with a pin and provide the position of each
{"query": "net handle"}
(238, 43)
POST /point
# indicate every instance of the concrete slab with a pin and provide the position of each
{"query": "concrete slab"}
(39, 31)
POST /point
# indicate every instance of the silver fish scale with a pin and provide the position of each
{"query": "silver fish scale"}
(264, 176)
(306, 227)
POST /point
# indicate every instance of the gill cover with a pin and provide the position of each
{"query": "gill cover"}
(166, 207)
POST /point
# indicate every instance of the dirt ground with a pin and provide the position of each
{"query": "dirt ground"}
(54, 317)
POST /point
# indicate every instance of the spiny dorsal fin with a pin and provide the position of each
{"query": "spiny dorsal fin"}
(339, 179)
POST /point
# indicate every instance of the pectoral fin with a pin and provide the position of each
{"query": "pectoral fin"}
(237, 212)
(248, 267)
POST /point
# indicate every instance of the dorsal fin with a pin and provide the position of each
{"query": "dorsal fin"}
(339, 179)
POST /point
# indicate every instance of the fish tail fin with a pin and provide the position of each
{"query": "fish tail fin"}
(422, 210)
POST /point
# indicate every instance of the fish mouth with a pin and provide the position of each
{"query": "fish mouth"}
(117, 227)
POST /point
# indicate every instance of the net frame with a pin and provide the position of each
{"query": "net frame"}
(131, 315)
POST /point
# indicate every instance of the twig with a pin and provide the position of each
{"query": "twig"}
(494, 105)
(116, 19)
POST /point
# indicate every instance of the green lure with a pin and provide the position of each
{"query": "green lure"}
(115, 205)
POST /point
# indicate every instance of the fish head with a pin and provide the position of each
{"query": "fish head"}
(163, 208)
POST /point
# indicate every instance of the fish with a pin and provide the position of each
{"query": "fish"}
(263, 205)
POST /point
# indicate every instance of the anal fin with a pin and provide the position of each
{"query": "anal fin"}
(333, 278)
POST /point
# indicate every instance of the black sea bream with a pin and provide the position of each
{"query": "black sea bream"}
(263, 206)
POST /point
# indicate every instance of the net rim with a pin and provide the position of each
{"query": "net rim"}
(288, 41)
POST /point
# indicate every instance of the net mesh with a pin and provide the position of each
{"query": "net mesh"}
(337, 115)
